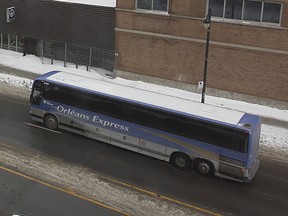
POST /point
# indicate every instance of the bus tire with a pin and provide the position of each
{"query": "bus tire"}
(51, 122)
(204, 167)
(181, 161)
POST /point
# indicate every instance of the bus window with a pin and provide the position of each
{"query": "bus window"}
(36, 96)
(240, 143)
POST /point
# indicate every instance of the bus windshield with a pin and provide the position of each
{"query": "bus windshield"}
(37, 93)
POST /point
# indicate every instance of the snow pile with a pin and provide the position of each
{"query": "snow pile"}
(16, 81)
(274, 144)
(86, 182)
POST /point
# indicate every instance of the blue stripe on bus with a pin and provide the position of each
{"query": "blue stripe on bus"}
(152, 135)
(46, 75)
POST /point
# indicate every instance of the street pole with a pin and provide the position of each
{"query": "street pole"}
(207, 25)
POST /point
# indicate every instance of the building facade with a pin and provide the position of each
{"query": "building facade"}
(81, 34)
(82, 24)
(165, 40)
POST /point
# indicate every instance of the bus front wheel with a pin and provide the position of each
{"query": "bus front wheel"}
(51, 122)
(203, 167)
(181, 161)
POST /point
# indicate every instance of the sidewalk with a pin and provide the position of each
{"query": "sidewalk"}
(17, 72)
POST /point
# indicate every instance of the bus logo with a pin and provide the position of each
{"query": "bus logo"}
(95, 119)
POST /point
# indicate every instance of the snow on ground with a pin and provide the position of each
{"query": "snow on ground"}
(273, 143)
(16, 81)
(273, 138)
(81, 180)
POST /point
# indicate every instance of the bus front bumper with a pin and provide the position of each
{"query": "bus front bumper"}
(252, 172)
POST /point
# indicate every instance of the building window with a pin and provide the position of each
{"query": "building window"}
(155, 5)
(246, 10)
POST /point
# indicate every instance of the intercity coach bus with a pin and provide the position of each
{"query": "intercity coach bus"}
(209, 139)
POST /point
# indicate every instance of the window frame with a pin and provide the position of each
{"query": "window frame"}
(152, 10)
(261, 22)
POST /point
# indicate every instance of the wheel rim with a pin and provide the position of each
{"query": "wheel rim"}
(204, 168)
(51, 122)
(180, 162)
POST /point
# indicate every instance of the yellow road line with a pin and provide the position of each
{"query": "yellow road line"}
(73, 193)
(153, 194)
(190, 206)
(67, 191)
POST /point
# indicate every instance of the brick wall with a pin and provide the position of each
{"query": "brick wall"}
(125, 4)
(246, 59)
(248, 72)
(257, 36)
(193, 8)
(254, 73)
(165, 58)
(272, 38)
(285, 15)
(161, 24)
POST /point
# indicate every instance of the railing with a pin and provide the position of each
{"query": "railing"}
(53, 52)
(90, 57)
(11, 42)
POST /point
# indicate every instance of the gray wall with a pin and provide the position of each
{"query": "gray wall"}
(59, 21)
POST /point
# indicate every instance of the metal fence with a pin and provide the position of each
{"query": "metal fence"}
(53, 52)
(11, 42)
(90, 57)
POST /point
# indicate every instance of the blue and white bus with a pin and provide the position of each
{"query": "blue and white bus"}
(209, 139)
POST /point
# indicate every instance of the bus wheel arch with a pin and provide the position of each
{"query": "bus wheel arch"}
(180, 160)
(50, 121)
(204, 167)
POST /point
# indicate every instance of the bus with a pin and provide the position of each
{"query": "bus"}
(188, 134)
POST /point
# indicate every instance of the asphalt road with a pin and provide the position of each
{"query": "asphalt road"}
(26, 196)
(266, 195)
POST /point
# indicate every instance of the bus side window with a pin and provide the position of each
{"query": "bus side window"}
(240, 143)
(220, 138)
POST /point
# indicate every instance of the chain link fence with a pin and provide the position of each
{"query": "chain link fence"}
(53, 52)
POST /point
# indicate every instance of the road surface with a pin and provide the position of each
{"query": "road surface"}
(266, 195)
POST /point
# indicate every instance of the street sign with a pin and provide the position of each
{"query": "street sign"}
(200, 84)
(10, 14)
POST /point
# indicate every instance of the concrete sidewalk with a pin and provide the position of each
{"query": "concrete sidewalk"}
(17, 72)
(265, 120)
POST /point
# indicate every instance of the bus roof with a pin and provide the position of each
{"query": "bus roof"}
(145, 96)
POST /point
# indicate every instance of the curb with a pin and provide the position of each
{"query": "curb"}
(17, 72)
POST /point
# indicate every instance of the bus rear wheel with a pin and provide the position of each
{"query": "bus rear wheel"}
(203, 167)
(51, 122)
(181, 161)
